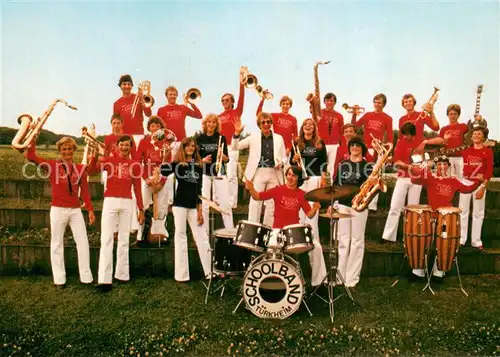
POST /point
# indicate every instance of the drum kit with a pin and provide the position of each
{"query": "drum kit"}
(261, 255)
(422, 227)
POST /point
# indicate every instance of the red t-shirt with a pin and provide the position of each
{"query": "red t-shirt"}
(427, 120)
(330, 126)
(478, 161)
(440, 191)
(149, 154)
(284, 125)
(123, 173)
(111, 145)
(59, 173)
(457, 132)
(287, 204)
(376, 124)
(131, 126)
(402, 152)
(227, 117)
(174, 117)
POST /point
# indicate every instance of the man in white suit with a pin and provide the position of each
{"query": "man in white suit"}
(266, 160)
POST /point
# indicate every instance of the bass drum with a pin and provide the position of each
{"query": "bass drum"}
(273, 286)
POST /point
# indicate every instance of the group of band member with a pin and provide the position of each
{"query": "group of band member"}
(284, 162)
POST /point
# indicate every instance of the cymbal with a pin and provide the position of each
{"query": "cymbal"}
(335, 215)
(213, 205)
(330, 193)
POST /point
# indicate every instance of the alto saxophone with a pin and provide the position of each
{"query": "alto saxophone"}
(314, 99)
(374, 183)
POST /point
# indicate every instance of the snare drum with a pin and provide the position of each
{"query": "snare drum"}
(417, 235)
(253, 236)
(448, 243)
(273, 288)
(297, 238)
(228, 258)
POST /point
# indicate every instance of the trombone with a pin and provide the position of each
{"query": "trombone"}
(144, 92)
(355, 109)
(301, 163)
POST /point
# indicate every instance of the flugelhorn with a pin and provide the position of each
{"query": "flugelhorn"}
(432, 100)
(355, 108)
(192, 95)
(263, 92)
(30, 128)
(93, 147)
(144, 92)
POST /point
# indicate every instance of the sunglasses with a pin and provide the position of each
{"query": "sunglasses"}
(264, 122)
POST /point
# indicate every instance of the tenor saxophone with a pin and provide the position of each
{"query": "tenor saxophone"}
(314, 99)
(374, 183)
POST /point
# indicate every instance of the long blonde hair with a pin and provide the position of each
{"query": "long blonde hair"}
(207, 118)
(316, 140)
(180, 157)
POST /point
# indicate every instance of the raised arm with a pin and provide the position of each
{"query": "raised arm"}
(241, 99)
(193, 113)
(31, 155)
(261, 105)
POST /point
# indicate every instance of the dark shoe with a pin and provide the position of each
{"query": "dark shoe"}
(86, 284)
(437, 279)
(104, 288)
(140, 244)
(479, 249)
(384, 241)
(122, 282)
(60, 286)
(412, 278)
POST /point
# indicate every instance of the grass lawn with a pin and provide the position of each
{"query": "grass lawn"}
(152, 316)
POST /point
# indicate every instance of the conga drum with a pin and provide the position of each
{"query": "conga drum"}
(417, 235)
(447, 236)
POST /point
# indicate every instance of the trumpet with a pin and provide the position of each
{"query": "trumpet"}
(431, 102)
(192, 94)
(264, 93)
(355, 109)
(169, 138)
(301, 162)
(218, 161)
(30, 128)
(249, 80)
(144, 93)
(93, 147)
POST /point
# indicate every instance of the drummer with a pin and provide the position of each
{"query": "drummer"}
(441, 187)
(288, 200)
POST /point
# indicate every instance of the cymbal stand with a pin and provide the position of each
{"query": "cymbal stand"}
(427, 254)
(333, 272)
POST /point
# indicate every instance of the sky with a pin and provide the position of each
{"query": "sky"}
(78, 50)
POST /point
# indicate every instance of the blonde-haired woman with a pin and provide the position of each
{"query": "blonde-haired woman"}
(187, 208)
(214, 177)
(67, 179)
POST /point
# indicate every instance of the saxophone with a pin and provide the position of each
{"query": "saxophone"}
(374, 183)
(314, 99)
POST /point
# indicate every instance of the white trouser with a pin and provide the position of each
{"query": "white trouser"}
(477, 217)
(135, 223)
(316, 258)
(264, 179)
(232, 176)
(181, 215)
(331, 152)
(115, 211)
(351, 234)
(403, 187)
(60, 217)
(373, 204)
(457, 166)
(171, 182)
(157, 225)
(220, 196)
